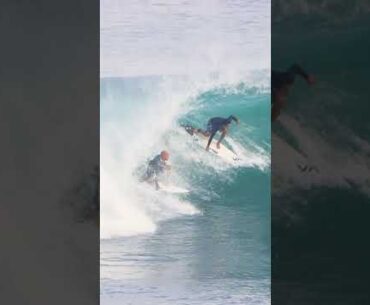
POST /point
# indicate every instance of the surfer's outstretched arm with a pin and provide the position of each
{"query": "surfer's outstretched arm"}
(210, 140)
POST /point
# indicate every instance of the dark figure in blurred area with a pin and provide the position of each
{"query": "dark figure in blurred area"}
(281, 82)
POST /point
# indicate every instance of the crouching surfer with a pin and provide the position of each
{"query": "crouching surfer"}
(157, 167)
(213, 126)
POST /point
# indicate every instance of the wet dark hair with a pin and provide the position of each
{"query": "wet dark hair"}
(231, 118)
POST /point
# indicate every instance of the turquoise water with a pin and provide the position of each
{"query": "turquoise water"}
(211, 246)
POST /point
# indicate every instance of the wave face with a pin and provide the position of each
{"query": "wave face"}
(142, 116)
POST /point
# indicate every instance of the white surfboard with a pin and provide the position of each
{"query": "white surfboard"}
(222, 152)
(168, 188)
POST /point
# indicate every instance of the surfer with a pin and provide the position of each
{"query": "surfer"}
(156, 167)
(213, 126)
(281, 83)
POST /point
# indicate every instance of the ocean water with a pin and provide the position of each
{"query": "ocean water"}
(162, 65)
(206, 247)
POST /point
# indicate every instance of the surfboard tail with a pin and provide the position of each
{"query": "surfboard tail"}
(189, 129)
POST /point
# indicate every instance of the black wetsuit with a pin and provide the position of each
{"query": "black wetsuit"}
(156, 167)
(216, 124)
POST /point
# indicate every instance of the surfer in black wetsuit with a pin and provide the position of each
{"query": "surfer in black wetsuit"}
(213, 126)
(281, 83)
(157, 167)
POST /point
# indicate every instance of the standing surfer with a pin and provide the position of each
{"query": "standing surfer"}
(281, 83)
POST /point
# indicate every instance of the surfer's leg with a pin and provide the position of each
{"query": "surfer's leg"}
(223, 134)
(149, 174)
(210, 140)
(156, 184)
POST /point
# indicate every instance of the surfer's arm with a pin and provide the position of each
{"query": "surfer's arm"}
(210, 140)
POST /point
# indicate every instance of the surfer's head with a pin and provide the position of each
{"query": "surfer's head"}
(232, 118)
(165, 155)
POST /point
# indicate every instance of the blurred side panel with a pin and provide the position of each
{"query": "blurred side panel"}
(320, 152)
(49, 131)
